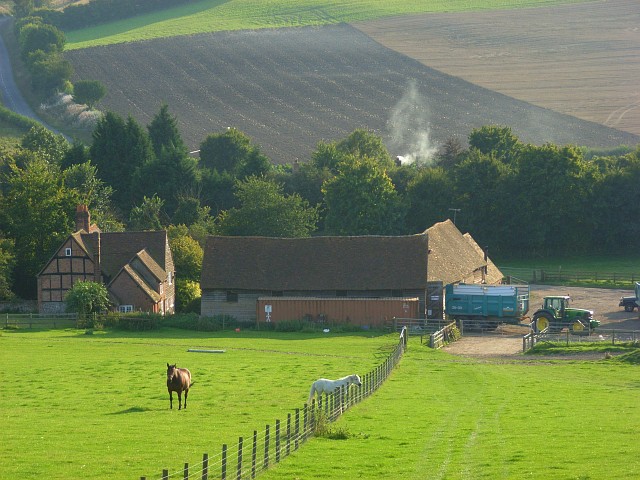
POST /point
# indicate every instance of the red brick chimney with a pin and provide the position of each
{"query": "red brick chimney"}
(83, 219)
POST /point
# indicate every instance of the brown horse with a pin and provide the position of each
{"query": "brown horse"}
(178, 380)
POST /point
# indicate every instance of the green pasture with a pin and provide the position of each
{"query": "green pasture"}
(445, 417)
(221, 15)
(601, 271)
(79, 406)
(591, 263)
(95, 406)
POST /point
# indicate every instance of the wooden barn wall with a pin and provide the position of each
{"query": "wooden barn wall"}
(214, 302)
(372, 312)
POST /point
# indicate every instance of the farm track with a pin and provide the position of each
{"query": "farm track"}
(288, 89)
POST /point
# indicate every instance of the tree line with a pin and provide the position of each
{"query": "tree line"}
(96, 12)
(514, 198)
(41, 45)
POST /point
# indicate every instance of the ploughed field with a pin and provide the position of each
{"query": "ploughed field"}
(581, 59)
(288, 89)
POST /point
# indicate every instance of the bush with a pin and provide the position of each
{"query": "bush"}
(193, 321)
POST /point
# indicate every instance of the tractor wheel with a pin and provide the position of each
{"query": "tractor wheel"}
(541, 322)
(628, 308)
(577, 326)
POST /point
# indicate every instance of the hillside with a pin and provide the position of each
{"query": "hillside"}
(582, 60)
(290, 88)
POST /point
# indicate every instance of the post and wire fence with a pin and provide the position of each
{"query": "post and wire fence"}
(250, 456)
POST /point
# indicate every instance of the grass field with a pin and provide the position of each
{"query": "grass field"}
(592, 263)
(220, 15)
(606, 271)
(94, 406)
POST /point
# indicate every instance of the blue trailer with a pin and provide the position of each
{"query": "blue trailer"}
(488, 305)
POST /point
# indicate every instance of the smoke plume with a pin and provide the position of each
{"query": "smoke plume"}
(409, 129)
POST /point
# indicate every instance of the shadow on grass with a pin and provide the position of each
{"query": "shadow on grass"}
(131, 410)
(632, 358)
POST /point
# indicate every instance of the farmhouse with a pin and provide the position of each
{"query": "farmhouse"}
(136, 267)
(364, 280)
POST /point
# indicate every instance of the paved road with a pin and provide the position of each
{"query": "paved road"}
(9, 93)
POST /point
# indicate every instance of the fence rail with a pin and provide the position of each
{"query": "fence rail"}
(248, 457)
(443, 336)
(35, 320)
(603, 336)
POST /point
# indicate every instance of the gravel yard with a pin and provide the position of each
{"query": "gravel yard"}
(508, 340)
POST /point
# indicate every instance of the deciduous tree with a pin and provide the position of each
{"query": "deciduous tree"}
(264, 210)
(87, 297)
(232, 151)
(37, 212)
(88, 92)
(362, 200)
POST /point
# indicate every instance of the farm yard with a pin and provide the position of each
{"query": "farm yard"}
(288, 89)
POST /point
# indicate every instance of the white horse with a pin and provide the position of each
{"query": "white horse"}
(324, 385)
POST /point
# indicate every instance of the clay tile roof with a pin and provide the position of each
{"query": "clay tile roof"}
(452, 256)
(127, 269)
(494, 275)
(150, 264)
(118, 248)
(316, 263)
(80, 240)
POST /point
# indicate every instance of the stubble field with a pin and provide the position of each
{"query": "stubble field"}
(288, 89)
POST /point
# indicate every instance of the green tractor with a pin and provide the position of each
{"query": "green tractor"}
(555, 315)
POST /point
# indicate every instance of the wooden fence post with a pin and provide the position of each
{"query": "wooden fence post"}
(186, 471)
(205, 466)
(297, 429)
(254, 454)
(266, 448)
(326, 405)
(277, 441)
(288, 450)
(165, 474)
(223, 473)
(239, 470)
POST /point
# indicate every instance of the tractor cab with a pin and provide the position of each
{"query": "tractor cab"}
(557, 305)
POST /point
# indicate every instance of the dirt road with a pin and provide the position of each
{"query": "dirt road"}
(508, 340)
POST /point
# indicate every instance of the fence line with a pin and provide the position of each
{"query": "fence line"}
(36, 320)
(541, 275)
(248, 457)
(443, 336)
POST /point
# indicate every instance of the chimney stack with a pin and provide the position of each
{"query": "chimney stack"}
(83, 219)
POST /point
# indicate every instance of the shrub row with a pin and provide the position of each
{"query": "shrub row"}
(193, 321)
(16, 119)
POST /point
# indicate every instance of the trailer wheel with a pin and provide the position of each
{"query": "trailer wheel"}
(541, 322)
(628, 308)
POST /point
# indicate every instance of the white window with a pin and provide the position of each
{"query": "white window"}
(169, 278)
(67, 252)
(125, 308)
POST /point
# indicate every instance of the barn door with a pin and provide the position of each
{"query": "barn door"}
(435, 305)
